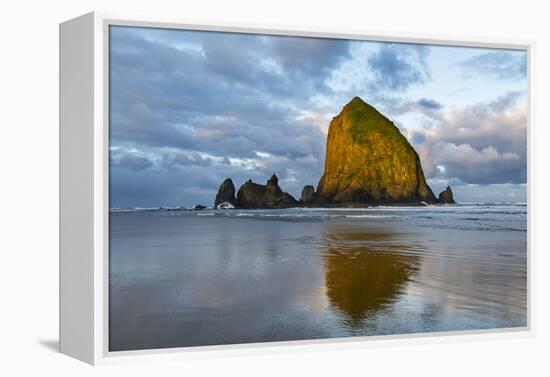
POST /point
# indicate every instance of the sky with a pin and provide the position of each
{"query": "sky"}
(191, 108)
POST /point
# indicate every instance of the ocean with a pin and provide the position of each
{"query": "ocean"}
(210, 277)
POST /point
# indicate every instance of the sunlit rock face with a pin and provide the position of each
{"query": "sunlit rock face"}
(369, 161)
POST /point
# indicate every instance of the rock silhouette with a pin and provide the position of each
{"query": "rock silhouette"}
(226, 193)
(308, 194)
(253, 195)
(446, 196)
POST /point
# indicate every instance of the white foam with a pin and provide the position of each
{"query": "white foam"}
(225, 205)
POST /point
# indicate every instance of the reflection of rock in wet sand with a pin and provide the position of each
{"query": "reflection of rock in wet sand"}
(365, 271)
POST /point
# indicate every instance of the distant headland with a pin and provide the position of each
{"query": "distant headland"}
(368, 162)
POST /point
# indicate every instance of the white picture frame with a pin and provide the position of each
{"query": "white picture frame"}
(84, 187)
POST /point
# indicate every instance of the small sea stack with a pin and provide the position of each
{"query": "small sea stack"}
(308, 194)
(446, 196)
(253, 195)
(226, 195)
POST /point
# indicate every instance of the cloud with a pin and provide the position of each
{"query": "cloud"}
(500, 65)
(224, 94)
(481, 144)
(130, 161)
(397, 66)
(418, 137)
(192, 99)
(429, 104)
(191, 108)
(492, 123)
(307, 58)
(178, 158)
(465, 154)
(394, 106)
(485, 166)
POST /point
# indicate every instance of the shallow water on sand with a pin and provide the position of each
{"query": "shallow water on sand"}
(190, 278)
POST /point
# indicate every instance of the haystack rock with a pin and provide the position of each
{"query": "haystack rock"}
(226, 193)
(253, 195)
(446, 196)
(308, 194)
(369, 161)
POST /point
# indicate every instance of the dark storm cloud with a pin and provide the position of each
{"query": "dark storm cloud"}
(502, 103)
(501, 65)
(306, 58)
(429, 104)
(397, 66)
(182, 98)
(428, 107)
(130, 161)
(185, 159)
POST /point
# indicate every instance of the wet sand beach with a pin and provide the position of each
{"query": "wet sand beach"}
(192, 278)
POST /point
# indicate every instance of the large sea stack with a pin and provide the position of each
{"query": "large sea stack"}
(253, 195)
(368, 161)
